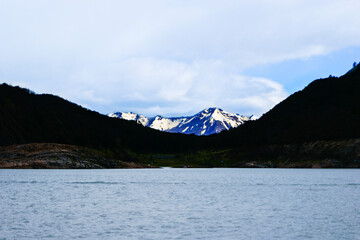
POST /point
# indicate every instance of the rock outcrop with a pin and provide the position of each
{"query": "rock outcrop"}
(58, 156)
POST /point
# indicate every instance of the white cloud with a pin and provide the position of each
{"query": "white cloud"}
(249, 32)
(171, 87)
(166, 56)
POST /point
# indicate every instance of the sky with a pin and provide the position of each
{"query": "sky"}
(175, 58)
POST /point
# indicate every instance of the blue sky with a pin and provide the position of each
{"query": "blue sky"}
(176, 57)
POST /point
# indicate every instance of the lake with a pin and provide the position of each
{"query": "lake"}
(180, 204)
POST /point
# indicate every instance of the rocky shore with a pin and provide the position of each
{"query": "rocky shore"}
(318, 154)
(58, 156)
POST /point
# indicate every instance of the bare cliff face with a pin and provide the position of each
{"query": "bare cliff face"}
(57, 156)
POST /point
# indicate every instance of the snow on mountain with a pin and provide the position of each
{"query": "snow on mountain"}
(206, 122)
(131, 117)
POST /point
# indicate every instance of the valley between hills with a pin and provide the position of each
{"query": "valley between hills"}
(316, 127)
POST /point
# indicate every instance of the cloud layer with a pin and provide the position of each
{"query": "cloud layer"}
(166, 57)
(151, 86)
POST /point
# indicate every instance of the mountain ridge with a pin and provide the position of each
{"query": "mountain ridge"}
(206, 122)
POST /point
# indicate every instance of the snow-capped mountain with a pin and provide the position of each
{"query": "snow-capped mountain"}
(131, 117)
(206, 122)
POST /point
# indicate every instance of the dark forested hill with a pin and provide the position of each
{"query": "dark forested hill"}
(327, 109)
(26, 117)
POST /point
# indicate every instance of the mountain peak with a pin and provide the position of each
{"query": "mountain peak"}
(211, 110)
(208, 121)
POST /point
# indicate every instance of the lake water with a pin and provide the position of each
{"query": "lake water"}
(180, 204)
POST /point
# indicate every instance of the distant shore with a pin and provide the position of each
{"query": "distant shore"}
(321, 154)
